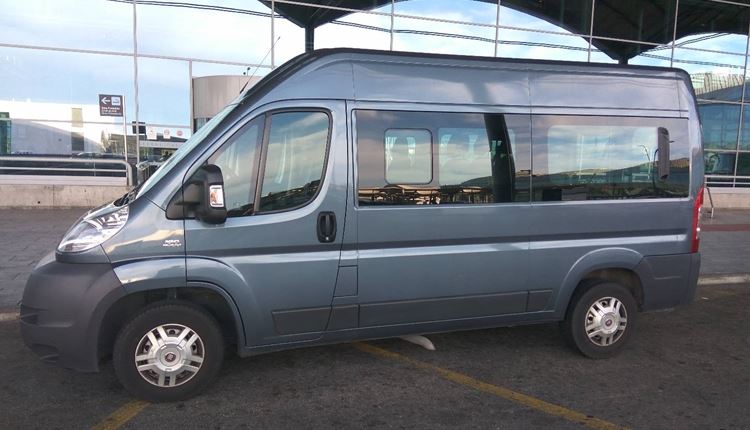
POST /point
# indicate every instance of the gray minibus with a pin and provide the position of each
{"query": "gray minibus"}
(356, 194)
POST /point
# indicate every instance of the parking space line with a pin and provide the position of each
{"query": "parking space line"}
(505, 393)
(121, 416)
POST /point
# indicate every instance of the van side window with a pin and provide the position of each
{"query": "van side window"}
(606, 158)
(237, 160)
(295, 159)
(408, 156)
(436, 158)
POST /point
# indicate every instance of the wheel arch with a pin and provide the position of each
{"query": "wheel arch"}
(609, 264)
(212, 298)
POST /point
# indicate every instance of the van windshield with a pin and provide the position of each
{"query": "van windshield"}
(185, 149)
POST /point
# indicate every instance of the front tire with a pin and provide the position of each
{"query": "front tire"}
(600, 320)
(168, 352)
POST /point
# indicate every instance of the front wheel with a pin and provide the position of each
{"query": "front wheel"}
(168, 352)
(600, 320)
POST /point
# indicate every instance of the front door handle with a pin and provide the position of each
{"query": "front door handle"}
(326, 227)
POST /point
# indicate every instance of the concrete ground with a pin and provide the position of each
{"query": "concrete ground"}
(684, 369)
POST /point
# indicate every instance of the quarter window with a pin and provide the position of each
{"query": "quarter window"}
(237, 160)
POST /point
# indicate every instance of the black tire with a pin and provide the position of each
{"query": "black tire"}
(211, 345)
(577, 319)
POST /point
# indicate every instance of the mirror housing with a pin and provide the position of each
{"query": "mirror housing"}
(663, 163)
(202, 197)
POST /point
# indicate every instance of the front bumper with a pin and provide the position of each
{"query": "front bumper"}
(62, 309)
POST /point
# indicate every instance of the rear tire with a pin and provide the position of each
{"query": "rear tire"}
(600, 320)
(168, 352)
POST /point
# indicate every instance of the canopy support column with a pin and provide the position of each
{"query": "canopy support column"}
(309, 38)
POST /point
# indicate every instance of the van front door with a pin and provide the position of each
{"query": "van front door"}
(277, 254)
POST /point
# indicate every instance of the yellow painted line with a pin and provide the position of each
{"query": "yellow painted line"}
(505, 393)
(121, 416)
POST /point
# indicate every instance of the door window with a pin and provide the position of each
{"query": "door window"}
(295, 159)
(237, 160)
(441, 158)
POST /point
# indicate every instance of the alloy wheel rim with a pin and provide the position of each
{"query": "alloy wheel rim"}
(169, 355)
(606, 321)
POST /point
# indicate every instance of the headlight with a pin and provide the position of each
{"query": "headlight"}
(93, 230)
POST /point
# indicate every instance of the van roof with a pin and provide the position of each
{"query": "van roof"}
(387, 76)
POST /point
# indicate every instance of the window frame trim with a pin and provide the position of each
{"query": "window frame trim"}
(264, 152)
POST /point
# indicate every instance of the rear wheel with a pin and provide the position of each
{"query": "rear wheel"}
(600, 320)
(168, 352)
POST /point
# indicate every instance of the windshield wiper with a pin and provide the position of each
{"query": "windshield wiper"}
(129, 196)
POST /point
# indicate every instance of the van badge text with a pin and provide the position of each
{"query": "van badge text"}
(172, 243)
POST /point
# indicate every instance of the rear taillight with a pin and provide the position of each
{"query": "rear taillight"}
(696, 220)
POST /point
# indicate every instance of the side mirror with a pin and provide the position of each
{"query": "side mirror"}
(663, 163)
(202, 197)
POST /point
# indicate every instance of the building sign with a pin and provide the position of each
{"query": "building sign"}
(111, 105)
(173, 144)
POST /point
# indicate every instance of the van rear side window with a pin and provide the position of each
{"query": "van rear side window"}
(436, 158)
(606, 158)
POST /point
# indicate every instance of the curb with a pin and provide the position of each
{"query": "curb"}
(733, 278)
(9, 316)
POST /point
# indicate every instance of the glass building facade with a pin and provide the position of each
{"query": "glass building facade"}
(58, 56)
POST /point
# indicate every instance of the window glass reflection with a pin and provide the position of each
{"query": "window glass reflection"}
(215, 31)
(82, 24)
(720, 124)
(408, 156)
(476, 158)
(719, 163)
(593, 158)
(164, 92)
(743, 164)
(237, 160)
(295, 159)
(47, 84)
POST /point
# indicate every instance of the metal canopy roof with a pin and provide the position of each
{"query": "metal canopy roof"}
(650, 21)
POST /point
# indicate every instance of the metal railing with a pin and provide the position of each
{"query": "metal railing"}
(65, 171)
(723, 181)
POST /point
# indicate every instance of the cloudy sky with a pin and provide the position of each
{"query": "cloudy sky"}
(238, 36)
